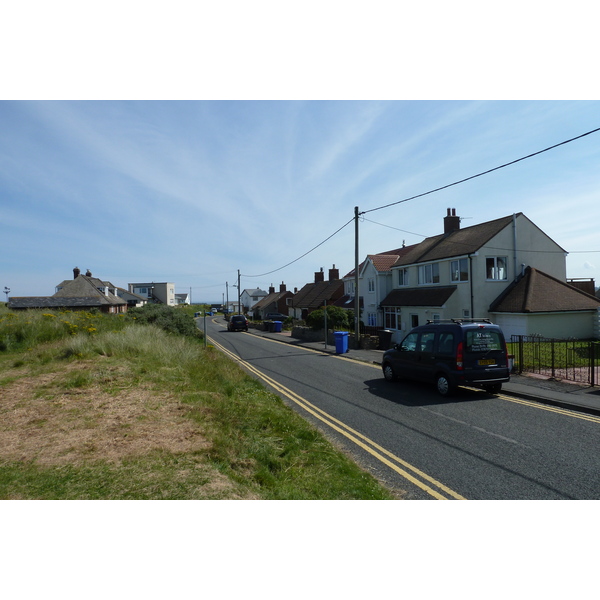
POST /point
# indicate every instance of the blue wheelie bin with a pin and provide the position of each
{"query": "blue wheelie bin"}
(341, 342)
(278, 326)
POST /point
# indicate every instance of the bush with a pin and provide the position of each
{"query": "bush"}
(167, 318)
(337, 318)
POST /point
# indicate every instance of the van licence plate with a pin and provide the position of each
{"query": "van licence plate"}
(486, 361)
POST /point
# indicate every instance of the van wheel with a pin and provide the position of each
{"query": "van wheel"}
(493, 388)
(443, 385)
(388, 372)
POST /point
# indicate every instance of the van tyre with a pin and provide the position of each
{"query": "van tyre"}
(443, 385)
(389, 373)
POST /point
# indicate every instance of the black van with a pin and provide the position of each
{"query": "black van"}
(451, 353)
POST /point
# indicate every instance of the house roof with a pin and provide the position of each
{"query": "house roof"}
(383, 261)
(54, 302)
(538, 292)
(347, 302)
(313, 295)
(256, 292)
(458, 242)
(433, 296)
(87, 287)
(270, 298)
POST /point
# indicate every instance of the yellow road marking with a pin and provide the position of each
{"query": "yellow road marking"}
(549, 408)
(354, 436)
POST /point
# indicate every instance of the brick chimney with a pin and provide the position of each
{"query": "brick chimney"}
(451, 221)
(319, 276)
(334, 274)
(271, 289)
(76, 272)
(282, 288)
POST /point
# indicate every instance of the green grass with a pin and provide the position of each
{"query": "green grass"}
(82, 397)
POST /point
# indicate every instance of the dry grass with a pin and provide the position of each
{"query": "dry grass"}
(141, 414)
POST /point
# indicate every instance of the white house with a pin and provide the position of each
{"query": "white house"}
(249, 298)
(476, 271)
(163, 293)
(375, 283)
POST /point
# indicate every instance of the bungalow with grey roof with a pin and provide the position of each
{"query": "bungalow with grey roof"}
(83, 292)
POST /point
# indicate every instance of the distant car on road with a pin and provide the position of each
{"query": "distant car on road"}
(237, 323)
(451, 353)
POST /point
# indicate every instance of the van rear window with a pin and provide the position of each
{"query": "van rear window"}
(481, 340)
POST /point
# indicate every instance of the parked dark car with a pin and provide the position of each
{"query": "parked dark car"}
(275, 317)
(237, 323)
(451, 353)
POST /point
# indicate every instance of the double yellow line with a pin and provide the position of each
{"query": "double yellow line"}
(415, 476)
(561, 411)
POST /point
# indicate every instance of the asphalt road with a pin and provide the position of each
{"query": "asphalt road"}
(472, 446)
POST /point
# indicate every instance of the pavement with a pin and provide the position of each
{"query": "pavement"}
(565, 394)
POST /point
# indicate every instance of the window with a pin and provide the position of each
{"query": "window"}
(435, 317)
(403, 277)
(459, 270)
(426, 342)
(391, 318)
(482, 341)
(371, 285)
(429, 273)
(350, 288)
(414, 320)
(409, 344)
(372, 319)
(446, 342)
(495, 268)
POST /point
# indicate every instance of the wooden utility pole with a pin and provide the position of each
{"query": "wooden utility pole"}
(356, 296)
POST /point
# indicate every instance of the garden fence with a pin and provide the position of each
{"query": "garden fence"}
(569, 359)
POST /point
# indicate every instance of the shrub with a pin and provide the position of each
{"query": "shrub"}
(337, 318)
(167, 318)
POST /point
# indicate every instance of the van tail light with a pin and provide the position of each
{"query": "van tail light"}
(459, 356)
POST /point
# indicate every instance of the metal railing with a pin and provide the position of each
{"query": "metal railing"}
(569, 359)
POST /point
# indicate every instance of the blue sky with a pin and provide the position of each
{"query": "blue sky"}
(192, 191)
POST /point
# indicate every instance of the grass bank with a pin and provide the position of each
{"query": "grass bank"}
(130, 411)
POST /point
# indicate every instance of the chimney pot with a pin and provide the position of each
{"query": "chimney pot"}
(76, 272)
(334, 274)
(451, 221)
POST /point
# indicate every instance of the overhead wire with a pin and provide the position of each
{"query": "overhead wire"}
(425, 194)
(512, 162)
(306, 253)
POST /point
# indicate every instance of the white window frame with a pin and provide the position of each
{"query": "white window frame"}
(391, 318)
(497, 272)
(457, 271)
(371, 284)
(429, 274)
(402, 277)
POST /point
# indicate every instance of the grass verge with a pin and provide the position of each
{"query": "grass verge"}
(137, 413)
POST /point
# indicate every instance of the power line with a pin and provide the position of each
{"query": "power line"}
(484, 172)
(311, 250)
(425, 194)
